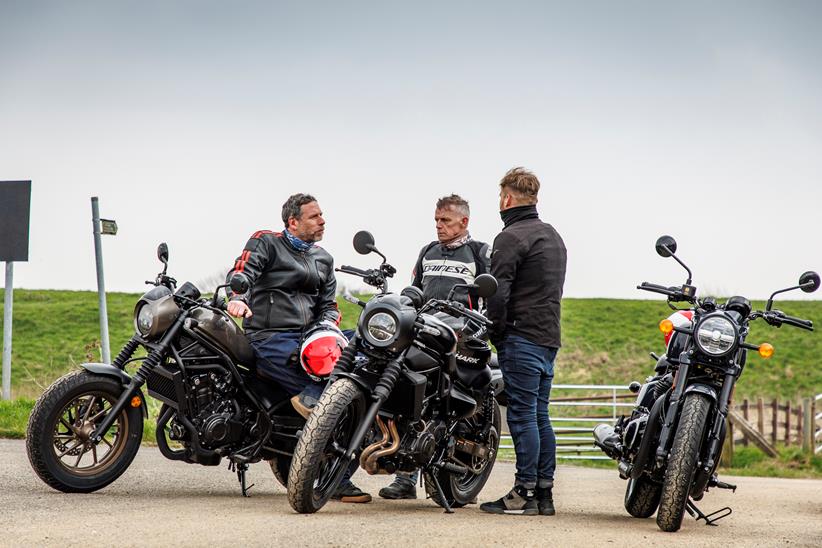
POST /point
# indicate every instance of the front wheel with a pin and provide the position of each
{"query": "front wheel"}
(642, 497)
(61, 423)
(679, 474)
(319, 461)
(461, 489)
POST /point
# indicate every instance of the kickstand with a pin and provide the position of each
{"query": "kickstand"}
(448, 509)
(241, 470)
(697, 514)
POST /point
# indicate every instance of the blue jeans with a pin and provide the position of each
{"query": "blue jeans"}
(528, 371)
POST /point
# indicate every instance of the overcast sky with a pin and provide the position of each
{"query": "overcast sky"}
(194, 121)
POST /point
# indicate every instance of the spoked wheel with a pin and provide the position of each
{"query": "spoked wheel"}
(460, 489)
(319, 461)
(63, 419)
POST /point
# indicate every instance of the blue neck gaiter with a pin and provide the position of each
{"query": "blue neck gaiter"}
(297, 243)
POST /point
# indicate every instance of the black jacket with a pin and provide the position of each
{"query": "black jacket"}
(528, 261)
(290, 290)
(438, 269)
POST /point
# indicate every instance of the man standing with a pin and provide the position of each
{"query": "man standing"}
(528, 261)
(292, 287)
(454, 258)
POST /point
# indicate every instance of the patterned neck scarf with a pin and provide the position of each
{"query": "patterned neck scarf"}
(457, 242)
(297, 243)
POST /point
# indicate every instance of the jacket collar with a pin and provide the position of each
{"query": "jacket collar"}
(520, 213)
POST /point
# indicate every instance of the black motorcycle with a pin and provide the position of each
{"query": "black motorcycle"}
(86, 428)
(670, 446)
(412, 390)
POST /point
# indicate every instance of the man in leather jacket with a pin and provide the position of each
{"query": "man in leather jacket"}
(528, 262)
(291, 288)
(453, 258)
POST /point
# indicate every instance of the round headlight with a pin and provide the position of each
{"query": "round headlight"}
(382, 327)
(716, 335)
(144, 319)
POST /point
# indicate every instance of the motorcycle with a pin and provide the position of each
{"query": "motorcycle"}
(86, 428)
(413, 390)
(670, 446)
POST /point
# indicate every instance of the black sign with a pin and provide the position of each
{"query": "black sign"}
(15, 203)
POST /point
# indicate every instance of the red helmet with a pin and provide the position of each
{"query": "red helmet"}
(321, 349)
(680, 318)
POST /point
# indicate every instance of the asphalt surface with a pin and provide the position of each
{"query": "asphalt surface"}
(162, 503)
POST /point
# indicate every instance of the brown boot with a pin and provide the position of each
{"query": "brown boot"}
(300, 408)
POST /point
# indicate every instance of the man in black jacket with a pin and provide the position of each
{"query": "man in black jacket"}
(528, 261)
(292, 287)
(453, 258)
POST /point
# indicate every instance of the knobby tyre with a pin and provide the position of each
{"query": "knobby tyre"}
(57, 437)
(318, 462)
(679, 474)
(461, 489)
(642, 497)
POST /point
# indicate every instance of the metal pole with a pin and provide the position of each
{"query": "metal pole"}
(101, 284)
(8, 300)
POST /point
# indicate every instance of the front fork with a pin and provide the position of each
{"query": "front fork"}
(139, 379)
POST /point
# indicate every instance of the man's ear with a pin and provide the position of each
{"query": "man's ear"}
(464, 222)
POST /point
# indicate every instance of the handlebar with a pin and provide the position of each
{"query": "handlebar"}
(352, 270)
(777, 318)
(673, 293)
(460, 310)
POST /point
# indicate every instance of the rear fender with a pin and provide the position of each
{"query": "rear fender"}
(118, 374)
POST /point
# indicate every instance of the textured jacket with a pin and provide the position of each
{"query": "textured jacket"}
(438, 269)
(528, 261)
(290, 290)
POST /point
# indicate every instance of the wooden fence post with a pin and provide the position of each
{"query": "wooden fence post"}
(745, 415)
(727, 458)
(774, 420)
(807, 439)
(788, 422)
(800, 424)
(760, 415)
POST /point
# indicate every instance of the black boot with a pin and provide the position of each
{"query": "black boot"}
(545, 501)
(400, 488)
(518, 501)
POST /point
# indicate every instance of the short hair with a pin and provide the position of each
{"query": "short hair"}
(293, 206)
(457, 202)
(521, 182)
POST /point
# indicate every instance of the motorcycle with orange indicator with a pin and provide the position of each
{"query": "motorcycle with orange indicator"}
(669, 448)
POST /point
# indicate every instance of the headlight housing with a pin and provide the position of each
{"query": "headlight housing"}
(386, 323)
(382, 327)
(716, 335)
(144, 318)
(152, 317)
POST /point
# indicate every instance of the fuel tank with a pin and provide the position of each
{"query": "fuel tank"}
(223, 332)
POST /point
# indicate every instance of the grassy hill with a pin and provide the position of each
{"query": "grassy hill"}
(605, 341)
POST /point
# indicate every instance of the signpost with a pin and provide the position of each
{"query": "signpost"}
(15, 205)
(102, 226)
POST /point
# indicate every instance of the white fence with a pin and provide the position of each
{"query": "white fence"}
(602, 403)
(817, 430)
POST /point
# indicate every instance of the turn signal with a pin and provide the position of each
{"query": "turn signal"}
(666, 326)
(766, 350)
(136, 401)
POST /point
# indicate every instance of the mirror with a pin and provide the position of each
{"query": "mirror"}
(363, 242)
(239, 284)
(486, 285)
(162, 252)
(809, 281)
(665, 246)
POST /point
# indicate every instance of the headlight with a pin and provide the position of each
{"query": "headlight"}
(715, 335)
(382, 326)
(144, 319)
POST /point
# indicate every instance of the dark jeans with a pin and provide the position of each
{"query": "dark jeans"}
(528, 371)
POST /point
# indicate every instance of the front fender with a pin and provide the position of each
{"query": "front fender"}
(364, 385)
(705, 389)
(498, 386)
(116, 373)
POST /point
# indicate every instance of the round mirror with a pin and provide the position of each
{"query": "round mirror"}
(162, 252)
(238, 283)
(665, 246)
(363, 242)
(486, 285)
(809, 281)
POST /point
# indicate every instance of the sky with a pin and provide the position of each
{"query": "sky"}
(194, 121)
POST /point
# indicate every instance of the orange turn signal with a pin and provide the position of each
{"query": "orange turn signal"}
(666, 326)
(136, 401)
(766, 350)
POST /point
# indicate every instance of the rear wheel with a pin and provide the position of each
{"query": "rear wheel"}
(59, 429)
(319, 461)
(679, 474)
(280, 466)
(642, 497)
(460, 489)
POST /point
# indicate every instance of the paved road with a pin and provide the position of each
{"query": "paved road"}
(161, 503)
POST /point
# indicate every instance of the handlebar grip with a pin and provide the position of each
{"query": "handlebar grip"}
(352, 270)
(798, 322)
(656, 289)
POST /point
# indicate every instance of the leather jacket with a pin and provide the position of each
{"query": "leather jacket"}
(289, 290)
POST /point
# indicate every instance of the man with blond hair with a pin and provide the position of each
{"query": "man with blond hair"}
(528, 261)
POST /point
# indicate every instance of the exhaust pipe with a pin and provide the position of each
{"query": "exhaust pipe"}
(606, 439)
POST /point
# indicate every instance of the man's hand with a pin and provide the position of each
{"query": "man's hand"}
(239, 309)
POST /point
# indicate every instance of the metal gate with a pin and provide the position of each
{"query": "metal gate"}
(577, 410)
